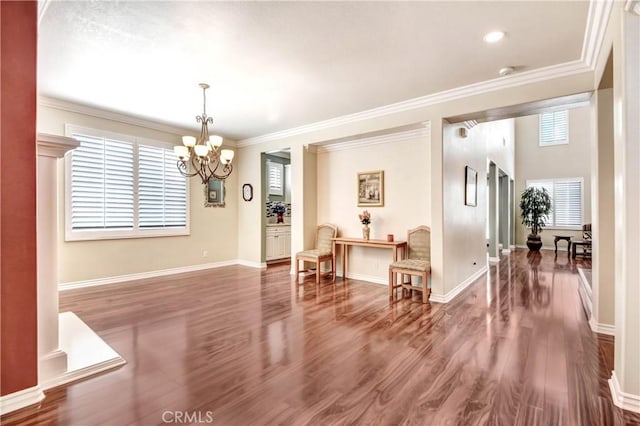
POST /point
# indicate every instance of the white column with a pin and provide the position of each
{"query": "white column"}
(52, 360)
(625, 379)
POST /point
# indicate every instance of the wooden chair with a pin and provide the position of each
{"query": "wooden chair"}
(585, 243)
(418, 262)
(323, 251)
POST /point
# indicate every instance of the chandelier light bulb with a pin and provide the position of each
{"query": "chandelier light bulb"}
(226, 156)
(215, 141)
(189, 141)
(201, 150)
(181, 151)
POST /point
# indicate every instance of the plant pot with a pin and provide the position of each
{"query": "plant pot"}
(534, 242)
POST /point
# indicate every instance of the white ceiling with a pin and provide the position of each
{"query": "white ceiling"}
(277, 65)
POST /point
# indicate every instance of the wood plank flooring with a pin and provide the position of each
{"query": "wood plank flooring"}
(240, 346)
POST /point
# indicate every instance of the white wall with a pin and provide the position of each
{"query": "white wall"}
(465, 249)
(550, 162)
(213, 230)
(405, 163)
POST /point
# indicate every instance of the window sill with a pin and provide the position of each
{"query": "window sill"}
(71, 236)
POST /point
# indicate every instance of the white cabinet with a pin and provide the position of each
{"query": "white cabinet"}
(278, 242)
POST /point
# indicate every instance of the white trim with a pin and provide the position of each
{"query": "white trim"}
(514, 80)
(597, 19)
(251, 264)
(88, 353)
(55, 146)
(626, 401)
(506, 251)
(633, 6)
(144, 275)
(111, 115)
(21, 399)
(375, 140)
(363, 277)
(494, 260)
(600, 328)
(448, 297)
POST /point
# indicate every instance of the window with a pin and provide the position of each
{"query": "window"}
(566, 201)
(275, 173)
(554, 128)
(123, 187)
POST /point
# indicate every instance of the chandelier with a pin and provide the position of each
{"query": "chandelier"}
(203, 155)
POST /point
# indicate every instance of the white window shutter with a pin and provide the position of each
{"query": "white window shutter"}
(162, 189)
(275, 177)
(554, 128)
(102, 186)
(566, 200)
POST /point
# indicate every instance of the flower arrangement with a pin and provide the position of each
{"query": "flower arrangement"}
(365, 218)
(278, 208)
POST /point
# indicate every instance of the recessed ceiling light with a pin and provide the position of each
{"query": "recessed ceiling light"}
(493, 36)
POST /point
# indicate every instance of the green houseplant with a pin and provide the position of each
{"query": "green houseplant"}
(535, 206)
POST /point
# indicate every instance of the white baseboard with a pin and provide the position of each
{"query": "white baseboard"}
(624, 400)
(448, 297)
(506, 251)
(87, 354)
(524, 246)
(512, 247)
(369, 278)
(249, 263)
(154, 274)
(598, 327)
(21, 399)
(494, 260)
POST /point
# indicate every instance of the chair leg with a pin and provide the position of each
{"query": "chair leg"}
(424, 288)
(392, 278)
(297, 269)
(318, 272)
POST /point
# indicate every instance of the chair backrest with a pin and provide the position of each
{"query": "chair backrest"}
(586, 232)
(324, 234)
(419, 242)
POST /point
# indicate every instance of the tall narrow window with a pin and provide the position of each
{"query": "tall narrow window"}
(123, 187)
(554, 128)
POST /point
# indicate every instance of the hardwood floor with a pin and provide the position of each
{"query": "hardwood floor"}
(241, 346)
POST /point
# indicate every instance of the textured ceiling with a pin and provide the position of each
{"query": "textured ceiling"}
(277, 65)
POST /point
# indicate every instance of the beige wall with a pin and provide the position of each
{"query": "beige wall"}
(249, 231)
(465, 250)
(550, 162)
(603, 200)
(213, 230)
(406, 196)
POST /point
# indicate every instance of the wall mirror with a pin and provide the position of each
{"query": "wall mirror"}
(214, 193)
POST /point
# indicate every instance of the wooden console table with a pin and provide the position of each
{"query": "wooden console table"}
(346, 242)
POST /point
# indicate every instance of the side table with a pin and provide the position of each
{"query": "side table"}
(566, 238)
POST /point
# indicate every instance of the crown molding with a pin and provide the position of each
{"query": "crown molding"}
(633, 6)
(597, 19)
(111, 115)
(513, 80)
(375, 140)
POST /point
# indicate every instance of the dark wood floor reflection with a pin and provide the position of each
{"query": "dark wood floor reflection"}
(250, 347)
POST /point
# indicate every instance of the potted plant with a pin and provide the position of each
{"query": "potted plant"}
(535, 206)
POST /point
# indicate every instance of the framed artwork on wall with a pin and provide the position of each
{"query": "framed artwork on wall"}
(371, 189)
(470, 187)
(214, 193)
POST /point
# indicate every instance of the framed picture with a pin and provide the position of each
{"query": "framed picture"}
(214, 193)
(371, 189)
(471, 187)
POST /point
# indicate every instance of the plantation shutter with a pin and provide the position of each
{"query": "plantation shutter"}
(275, 173)
(102, 184)
(554, 128)
(568, 203)
(162, 189)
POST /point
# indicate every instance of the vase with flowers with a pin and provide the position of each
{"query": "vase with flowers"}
(365, 219)
(279, 209)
